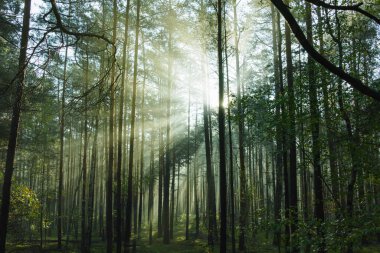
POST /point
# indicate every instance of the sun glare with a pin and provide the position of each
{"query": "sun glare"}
(214, 99)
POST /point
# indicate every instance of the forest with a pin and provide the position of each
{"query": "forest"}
(190, 126)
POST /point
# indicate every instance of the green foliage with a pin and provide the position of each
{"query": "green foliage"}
(24, 212)
(339, 232)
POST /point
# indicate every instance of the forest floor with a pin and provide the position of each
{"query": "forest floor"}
(262, 243)
(179, 245)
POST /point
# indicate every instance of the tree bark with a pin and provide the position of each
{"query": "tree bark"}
(168, 160)
(211, 206)
(128, 216)
(172, 201)
(151, 191)
(161, 164)
(61, 147)
(278, 152)
(293, 209)
(22, 64)
(84, 237)
(316, 145)
(196, 199)
(91, 187)
(243, 184)
(230, 155)
(221, 126)
(109, 191)
(188, 172)
(142, 148)
(328, 121)
(118, 204)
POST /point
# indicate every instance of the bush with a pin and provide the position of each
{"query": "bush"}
(24, 213)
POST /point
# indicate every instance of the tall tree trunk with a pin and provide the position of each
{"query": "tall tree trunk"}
(172, 197)
(211, 215)
(353, 141)
(260, 176)
(128, 216)
(118, 204)
(109, 191)
(91, 187)
(61, 145)
(304, 169)
(103, 185)
(328, 122)
(42, 203)
(230, 155)
(284, 137)
(188, 171)
(196, 199)
(242, 176)
(160, 176)
(178, 191)
(84, 245)
(135, 203)
(222, 147)
(316, 146)
(151, 190)
(142, 148)
(166, 183)
(278, 152)
(19, 80)
(293, 209)
(168, 160)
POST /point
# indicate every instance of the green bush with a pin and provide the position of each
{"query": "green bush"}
(24, 213)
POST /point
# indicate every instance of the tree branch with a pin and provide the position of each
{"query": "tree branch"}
(294, 26)
(354, 7)
(76, 34)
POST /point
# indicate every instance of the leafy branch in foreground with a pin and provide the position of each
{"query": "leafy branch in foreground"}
(353, 7)
(297, 31)
(61, 26)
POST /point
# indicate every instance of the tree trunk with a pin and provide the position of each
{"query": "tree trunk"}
(135, 200)
(109, 191)
(151, 189)
(328, 122)
(351, 138)
(142, 149)
(314, 125)
(222, 148)
(188, 172)
(172, 197)
(242, 177)
(128, 216)
(166, 201)
(7, 182)
(293, 209)
(61, 146)
(211, 215)
(120, 135)
(230, 155)
(91, 186)
(279, 162)
(196, 199)
(161, 164)
(84, 245)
